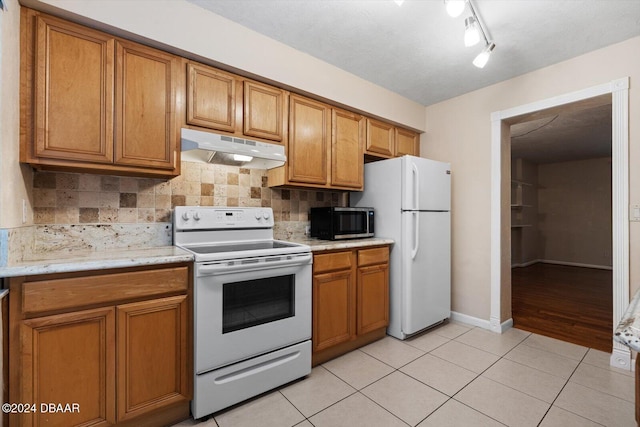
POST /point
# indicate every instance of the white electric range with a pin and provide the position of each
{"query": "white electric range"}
(252, 304)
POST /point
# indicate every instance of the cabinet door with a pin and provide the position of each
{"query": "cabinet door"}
(407, 142)
(333, 309)
(70, 358)
(373, 298)
(380, 139)
(263, 111)
(73, 92)
(308, 140)
(153, 361)
(145, 93)
(347, 135)
(211, 99)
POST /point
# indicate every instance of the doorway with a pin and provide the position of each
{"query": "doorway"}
(618, 91)
(561, 230)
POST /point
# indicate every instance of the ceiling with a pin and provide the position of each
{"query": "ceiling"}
(417, 51)
(565, 136)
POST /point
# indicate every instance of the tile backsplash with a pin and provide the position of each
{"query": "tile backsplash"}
(64, 201)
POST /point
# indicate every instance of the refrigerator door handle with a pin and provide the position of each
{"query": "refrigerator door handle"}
(416, 229)
(416, 184)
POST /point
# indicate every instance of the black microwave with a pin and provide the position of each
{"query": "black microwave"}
(337, 223)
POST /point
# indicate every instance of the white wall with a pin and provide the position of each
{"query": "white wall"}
(459, 131)
(12, 175)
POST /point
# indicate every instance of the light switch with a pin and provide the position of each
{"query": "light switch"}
(634, 215)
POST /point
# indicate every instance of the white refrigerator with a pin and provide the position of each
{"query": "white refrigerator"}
(411, 197)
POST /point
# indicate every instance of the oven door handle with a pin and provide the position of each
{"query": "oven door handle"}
(253, 264)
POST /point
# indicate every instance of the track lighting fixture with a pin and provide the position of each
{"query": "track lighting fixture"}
(473, 29)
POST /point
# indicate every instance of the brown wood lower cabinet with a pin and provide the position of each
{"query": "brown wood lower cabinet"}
(127, 362)
(350, 300)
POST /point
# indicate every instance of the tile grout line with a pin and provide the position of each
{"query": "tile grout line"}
(560, 392)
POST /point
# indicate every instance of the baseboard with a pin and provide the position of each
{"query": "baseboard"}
(570, 264)
(482, 323)
(526, 264)
(577, 264)
(621, 358)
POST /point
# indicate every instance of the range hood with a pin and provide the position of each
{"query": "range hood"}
(208, 147)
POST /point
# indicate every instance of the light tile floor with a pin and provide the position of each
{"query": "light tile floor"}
(453, 375)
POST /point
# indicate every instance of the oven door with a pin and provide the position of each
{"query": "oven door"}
(247, 307)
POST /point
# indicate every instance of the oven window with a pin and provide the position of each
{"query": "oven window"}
(254, 302)
(351, 223)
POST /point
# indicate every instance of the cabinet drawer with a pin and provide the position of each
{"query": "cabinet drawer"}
(373, 256)
(74, 292)
(332, 262)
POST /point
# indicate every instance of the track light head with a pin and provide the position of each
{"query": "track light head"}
(471, 32)
(483, 57)
(455, 7)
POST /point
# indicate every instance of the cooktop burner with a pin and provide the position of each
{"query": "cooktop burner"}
(238, 247)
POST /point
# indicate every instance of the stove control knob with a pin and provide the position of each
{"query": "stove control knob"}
(266, 215)
(196, 216)
(186, 216)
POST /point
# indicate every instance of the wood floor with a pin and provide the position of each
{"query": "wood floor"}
(572, 304)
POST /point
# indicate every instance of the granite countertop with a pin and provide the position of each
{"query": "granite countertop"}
(318, 245)
(628, 330)
(97, 260)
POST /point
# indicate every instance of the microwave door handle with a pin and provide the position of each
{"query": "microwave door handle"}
(366, 220)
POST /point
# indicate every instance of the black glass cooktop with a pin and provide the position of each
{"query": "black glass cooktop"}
(238, 247)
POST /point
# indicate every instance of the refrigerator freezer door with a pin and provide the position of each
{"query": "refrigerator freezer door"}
(426, 184)
(426, 260)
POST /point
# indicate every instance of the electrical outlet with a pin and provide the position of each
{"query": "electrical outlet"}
(24, 211)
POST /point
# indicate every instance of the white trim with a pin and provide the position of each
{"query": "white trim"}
(619, 90)
(621, 359)
(620, 210)
(496, 176)
(480, 323)
(470, 320)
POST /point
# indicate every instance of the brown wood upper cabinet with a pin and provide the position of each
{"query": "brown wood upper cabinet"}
(325, 147)
(347, 136)
(264, 111)
(407, 142)
(380, 139)
(94, 103)
(226, 102)
(385, 140)
(211, 98)
(309, 132)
